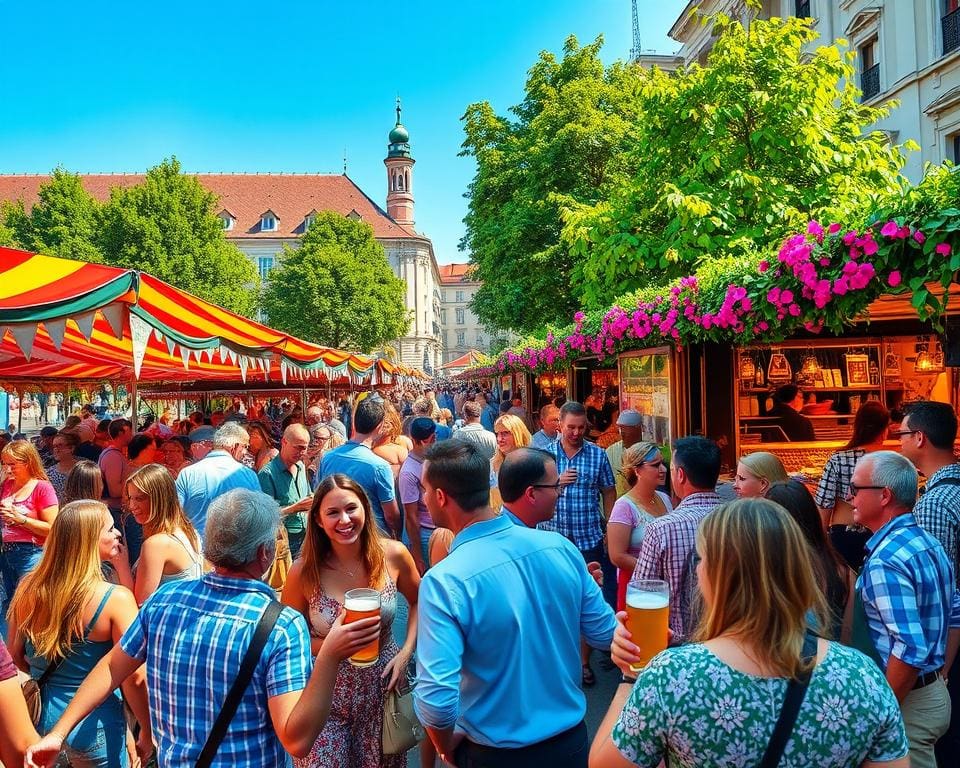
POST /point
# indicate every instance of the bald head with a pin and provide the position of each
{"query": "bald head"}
(294, 443)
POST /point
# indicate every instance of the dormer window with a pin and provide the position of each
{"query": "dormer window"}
(226, 220)
(354, 215)
(308, 220)
(268, 221)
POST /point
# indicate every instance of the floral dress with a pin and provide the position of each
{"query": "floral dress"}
(352, 736)
(691, 706)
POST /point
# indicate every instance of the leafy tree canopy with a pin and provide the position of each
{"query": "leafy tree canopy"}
(566, 144)
(167, 226)
(337, 288)
(732, 157)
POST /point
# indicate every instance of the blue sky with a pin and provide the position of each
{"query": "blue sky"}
(285, 86)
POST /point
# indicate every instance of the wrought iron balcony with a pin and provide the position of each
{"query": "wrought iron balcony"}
(950, 24)
(870, 82)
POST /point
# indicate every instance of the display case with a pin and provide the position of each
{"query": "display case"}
(646, 387)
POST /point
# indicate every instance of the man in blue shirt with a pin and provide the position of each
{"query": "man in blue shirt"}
(546, 437)
(529, 486)
(908, 593)
(498, 671)
(356, 460)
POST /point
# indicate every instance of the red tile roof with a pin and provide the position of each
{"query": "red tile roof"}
(468, 358)
(454, 273)
(246, 196)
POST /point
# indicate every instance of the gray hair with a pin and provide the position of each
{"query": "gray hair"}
(238, 522)
(896, 472)
(229, 434)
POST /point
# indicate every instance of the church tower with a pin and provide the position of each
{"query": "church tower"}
(399, 164)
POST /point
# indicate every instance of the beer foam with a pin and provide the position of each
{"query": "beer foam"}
(647, 600)
(362, 604)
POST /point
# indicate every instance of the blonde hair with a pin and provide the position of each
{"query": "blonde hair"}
(762, 582)
(765, 466)
(637, 454)
(23, 451)
(392, 428)
(48, 604)
(515, 426)
(166, 514)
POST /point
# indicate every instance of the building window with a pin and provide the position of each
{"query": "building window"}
(869, 69)
(226, 222)
(479, 340)
(461, 316)
(308, 221)
(950, 25)
(803, 9)
(461, 338)
(264, 265)
(268, 223)
(953, 148)
(459, 296)
(443, 316)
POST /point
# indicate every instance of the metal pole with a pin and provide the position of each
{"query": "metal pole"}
(133, 403)
(19, 411)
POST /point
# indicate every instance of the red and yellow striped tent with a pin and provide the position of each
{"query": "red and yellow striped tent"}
(64, 319)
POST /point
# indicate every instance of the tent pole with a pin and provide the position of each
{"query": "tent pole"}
(19, 411)
(133, 403)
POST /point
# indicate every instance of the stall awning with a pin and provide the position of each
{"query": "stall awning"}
(70, 319)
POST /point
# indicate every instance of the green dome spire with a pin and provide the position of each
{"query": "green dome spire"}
(399, 138)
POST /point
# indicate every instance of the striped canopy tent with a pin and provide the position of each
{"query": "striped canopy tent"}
(64, 319)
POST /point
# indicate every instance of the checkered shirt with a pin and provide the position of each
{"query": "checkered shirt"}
(835, 480)
(579, 512)
(667, 553)
(193, 635)
(938, 511)
(909, 596)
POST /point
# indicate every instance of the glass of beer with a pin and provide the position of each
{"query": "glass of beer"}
(361, 604)
(648, 609)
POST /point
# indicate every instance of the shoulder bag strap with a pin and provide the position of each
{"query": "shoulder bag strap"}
(796, 690)
(250, 659)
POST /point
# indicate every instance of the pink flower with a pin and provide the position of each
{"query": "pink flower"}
(870, 247)
(833, 228)
(850, 237)
(943, 249)
(894, 279)
(919, 236)
(794, 310)
(890, 229)
(764, 265)
(786, 297)
(814, 228)
(824, 262)
(904, 232)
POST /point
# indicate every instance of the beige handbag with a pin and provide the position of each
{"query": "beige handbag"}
(401, 729)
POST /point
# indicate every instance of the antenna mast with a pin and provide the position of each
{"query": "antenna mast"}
(635, 51)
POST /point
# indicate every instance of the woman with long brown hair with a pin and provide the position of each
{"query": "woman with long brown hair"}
(171, 546)
(85, 481)
(716, 700)
(344, 551)
(65, 614)
(28, 506)
(392, 445)
(261, 447)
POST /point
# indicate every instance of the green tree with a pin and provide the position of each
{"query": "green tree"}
(731, 157)
(63, 222)
(167, 226)
(566, 144)
(337, 288)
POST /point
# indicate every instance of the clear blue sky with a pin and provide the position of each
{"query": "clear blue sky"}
(284, 86)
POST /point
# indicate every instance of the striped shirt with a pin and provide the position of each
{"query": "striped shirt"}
(666, 553)
(834, 483)
(909, 596)
(193, 635)
(938, 511)
(579, 512)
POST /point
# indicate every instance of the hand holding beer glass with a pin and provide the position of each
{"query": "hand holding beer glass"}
(648, 611)
(362, 604)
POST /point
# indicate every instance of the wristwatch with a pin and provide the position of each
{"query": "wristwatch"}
(627, 680)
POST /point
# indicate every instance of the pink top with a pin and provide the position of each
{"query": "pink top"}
(626, 512)
(41, 497)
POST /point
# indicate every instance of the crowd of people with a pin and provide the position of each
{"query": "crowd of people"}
(142, 568)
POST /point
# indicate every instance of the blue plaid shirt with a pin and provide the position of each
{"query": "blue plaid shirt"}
(193, 635)
(579, 509)
(909, 596)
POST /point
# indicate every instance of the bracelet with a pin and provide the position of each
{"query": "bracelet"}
(627, 680)
(55, 732)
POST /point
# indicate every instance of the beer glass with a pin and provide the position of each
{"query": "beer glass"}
(648, 609)
(361, 604)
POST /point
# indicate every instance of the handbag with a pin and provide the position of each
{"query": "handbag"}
(282, 562)
(31, 689)
(401, 729)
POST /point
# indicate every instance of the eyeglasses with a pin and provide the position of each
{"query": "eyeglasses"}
(855, 489)
(555, 486)
(903, 432)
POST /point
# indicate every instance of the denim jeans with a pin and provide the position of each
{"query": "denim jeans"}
(16, 561)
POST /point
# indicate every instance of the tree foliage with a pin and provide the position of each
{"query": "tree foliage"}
(167, 226)
(565, 144)
(337, 288)
(732, 157)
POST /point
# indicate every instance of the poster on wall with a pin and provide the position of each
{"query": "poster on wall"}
(858, 370)
(645, 387)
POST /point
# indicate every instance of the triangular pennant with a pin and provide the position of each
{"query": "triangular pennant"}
(157, 334)
(232, 355)
(243, 362)
(283, 372)
(85, 323)
(209, 353)
(171, 345)
(55, 330)
(222, 352)
(139, 336)
(197, 354)
(113, 314)
(24, 334)
(185, 356)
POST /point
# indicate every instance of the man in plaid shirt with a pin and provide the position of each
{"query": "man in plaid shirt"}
(909, 598)
(193, 634)
(669, 542)
(927, 436)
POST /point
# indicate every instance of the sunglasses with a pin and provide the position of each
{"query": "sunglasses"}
(855, 489)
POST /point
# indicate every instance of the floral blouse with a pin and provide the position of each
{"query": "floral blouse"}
(691, 706)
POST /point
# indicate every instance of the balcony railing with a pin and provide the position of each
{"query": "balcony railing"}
(803, 9)
(870, 82)
(950, 24)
